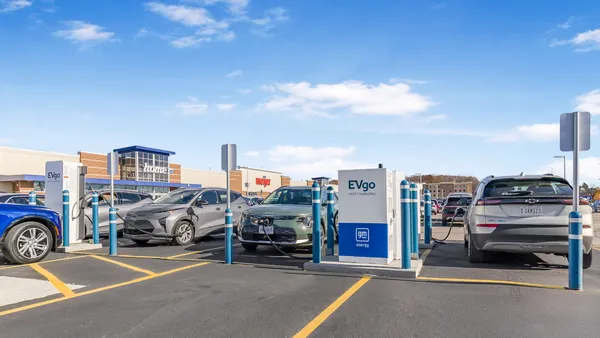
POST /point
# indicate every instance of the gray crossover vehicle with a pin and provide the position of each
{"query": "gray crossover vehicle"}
(527, 214)
(183, 215)
(125, 200)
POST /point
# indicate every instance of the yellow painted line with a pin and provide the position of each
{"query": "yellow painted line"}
(490, 281)
(321, 317)
(125, 265)
(42, 262)
(58, 284)
(89, 292)
(425, 254)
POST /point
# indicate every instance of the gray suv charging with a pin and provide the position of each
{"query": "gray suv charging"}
(183, 215)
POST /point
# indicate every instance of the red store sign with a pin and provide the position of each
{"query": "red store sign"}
(263, 181)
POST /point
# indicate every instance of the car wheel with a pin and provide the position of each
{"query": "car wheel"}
(466, 242)
(28, 242)
(183, 232)
(587, 260)
(475, 255)
(140, 241)
(249, 247)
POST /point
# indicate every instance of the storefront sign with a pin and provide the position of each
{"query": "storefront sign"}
(263, 181)
(155, 170)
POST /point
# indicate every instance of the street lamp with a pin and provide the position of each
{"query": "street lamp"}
(420, 177)
(564, 164)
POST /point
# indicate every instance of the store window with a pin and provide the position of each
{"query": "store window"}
(153, 167)
(39, 186)
(127, 168)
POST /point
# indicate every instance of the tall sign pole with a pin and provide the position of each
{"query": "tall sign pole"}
(575, 136)
(228, 163)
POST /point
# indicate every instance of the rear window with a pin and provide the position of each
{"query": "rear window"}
(457, 201)
(537, 187)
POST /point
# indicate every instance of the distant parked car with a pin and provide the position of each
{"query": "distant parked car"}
(257, 200)
(524, 214)
(19, 198)
(183, 215)
(28, 233)
(435, 207)
(596, 206)
(453, 201)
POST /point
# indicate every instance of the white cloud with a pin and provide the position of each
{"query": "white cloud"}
(584, 42)
(589, 169)
(192, 106)
(245, 91)
(539, 132)
(268, 88)
(142, 32)
(189, 16)
(270, 20)
(236, 7)
(226, 106)
(188, 41)
(432, 118)
(567, 24)
(589, 102)
(233, 74)
(355, 96)
(407, 81)
(13, 5)
(313, 161)
(85, 33)
(252, 153)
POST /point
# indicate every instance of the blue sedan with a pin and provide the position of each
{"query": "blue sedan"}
(28, 233)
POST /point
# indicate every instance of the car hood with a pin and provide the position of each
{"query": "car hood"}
(154, 208)
(279, 209)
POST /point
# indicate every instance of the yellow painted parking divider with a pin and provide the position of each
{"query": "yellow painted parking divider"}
(125, 265)
(89, 292)
(58, 284)
(424, 255)
(490, 281)
(42, 262)
(321, 317)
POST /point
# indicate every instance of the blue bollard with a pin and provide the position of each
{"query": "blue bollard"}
(427, 238)
(316, 216)
(228, 236)
(330, 221)
(414, 215)
(112, 230)
(32, 198)
(575, 251)
(405, 223)
(95, 234)
(66, 217)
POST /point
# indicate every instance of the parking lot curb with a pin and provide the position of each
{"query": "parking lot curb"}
(490, 282)
(331, 264)
(78, 247)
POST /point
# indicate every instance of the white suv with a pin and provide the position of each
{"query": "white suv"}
(528, 214)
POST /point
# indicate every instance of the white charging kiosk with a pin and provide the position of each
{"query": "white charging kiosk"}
(366, 216)
(61, 175)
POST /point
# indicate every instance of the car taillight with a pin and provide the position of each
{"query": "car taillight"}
(570, 201)
(487, 225)
(587, 226)
(488, 202)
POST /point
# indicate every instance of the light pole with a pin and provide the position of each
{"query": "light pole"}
(564, 165)
(420, 177)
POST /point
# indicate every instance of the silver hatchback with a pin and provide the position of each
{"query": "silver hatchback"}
(528, 214)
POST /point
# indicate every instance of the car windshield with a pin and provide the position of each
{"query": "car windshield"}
(528, 187)
(290, 196)
(177, 197)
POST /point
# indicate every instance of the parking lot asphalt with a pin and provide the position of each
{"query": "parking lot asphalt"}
(163, 290)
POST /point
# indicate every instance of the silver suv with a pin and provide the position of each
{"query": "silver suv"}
(183, 215)
(524, 214)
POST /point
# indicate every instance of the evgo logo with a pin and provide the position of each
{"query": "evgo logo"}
(362, 185)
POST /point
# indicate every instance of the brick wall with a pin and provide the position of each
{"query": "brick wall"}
(176, 176)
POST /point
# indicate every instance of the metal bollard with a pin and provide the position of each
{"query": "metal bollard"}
(316, 216)
(575, 251)
(415, 214)
(112, 230)
(95, 234)
(32, 198)
(66, 217)
(330, 222)
(427, 238)
(405, 223)
(228, 236)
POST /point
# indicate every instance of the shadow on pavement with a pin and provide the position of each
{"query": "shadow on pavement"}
(454, 254)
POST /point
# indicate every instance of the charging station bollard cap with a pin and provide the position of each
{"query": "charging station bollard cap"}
(413, 186)
(315, 184)
(575, 215)
(426, 192)
(65, 192)
(330, 189)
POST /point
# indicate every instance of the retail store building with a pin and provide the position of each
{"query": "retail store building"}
(140, 168)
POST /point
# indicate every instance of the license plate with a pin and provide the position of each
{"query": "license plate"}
(533, 210)
(265, 229)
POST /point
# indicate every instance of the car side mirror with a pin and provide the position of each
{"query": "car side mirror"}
(201, 202)
(459, 211)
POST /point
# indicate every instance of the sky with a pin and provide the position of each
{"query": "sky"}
(305, 87)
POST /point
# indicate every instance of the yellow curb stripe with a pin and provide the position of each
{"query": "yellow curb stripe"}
(42, 262)
(321, 317)
(425, 254)
(89, 292)
(125, 265)
(58, 284)
(490, 281)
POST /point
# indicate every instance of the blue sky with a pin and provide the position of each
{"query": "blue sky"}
(306, 87)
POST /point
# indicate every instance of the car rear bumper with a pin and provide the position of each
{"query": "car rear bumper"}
(527, 244)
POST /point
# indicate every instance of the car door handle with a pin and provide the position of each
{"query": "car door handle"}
(218, 208)
(239, 206)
